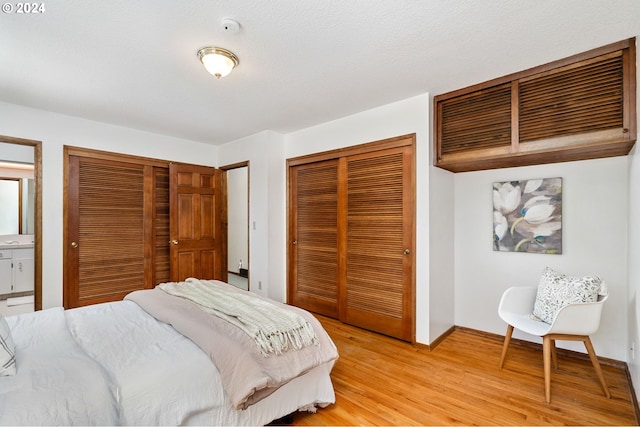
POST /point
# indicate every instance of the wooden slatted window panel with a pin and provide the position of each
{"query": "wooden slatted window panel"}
(111, 230)
(317, 237)
(577, 108)
(478, 120)
(573, 100)
(374, 235)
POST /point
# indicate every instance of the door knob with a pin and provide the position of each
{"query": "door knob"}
(174, 242)
(407, 251)
(295, 242)
(74, 245)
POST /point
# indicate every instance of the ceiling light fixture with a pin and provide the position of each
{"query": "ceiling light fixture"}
(218, 61)
(16, 165)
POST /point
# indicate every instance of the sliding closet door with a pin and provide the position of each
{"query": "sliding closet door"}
(351, 235)
(108, 224)
(313, 243)
(379, 241)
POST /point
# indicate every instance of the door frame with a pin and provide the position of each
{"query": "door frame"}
(37, 234)
(225, 219)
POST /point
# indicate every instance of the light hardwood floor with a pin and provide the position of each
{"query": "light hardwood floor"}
(383, 381)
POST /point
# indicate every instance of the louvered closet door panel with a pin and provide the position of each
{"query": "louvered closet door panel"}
(379, 242)
(313, 246)
(108, 248)
(573, 100)
(161, 246)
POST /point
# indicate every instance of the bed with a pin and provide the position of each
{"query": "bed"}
(126, 363)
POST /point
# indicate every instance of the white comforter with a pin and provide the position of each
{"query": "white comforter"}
(54, 373)
(163, 378)
(113, 364)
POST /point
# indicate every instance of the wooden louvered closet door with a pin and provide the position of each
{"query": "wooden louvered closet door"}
(314, 249)
(117, 223)
(162, 266)
(351, 238)
(379, 241)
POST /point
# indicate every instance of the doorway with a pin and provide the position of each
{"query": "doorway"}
(20, 235)
(237, 223)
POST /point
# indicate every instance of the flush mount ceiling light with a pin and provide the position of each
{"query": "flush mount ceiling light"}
(218, 61)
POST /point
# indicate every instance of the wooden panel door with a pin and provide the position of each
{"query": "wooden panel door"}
(195, 223)
(379, 232)
(313, 243)
(107, 224)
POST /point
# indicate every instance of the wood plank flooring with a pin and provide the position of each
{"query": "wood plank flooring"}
(382, 381)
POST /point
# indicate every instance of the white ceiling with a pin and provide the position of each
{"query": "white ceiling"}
(302, 62)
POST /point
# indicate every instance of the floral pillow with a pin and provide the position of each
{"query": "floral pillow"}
(7, 350)
(556, 290)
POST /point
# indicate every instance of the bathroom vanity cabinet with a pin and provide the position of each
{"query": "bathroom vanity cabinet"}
(5, 272)
(16, 270)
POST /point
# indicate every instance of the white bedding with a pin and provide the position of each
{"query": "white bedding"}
(54, 373)
(154, 375)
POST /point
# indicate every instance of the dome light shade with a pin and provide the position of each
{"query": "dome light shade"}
(218, 61)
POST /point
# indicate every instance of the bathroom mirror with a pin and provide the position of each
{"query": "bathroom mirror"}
(17, 196)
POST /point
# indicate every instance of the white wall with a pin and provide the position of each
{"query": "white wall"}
(16, 153)
(391, 120)
(258, 150)
(55, 131)
(594, 242)
(633, 292)
(441, 313)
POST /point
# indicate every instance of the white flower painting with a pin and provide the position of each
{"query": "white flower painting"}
(527, 216)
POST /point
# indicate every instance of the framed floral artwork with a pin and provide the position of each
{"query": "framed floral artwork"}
(527, 216)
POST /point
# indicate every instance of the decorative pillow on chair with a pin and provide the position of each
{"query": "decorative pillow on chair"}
(7, 350)
(556, 290)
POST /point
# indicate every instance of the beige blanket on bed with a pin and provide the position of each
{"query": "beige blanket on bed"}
(275, 329)
(247, 375)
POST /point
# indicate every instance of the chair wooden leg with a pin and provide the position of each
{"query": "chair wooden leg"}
(554, 355)
(596, 365)
(546, 354)
(505, 346)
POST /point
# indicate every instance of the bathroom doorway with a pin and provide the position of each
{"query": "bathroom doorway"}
(20, 225)
(237, 221)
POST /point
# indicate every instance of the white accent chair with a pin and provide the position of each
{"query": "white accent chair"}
(574, 322)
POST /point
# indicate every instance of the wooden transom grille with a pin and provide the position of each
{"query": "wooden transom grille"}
(573, 100)
(111, 229)
(478, 120)
(317, 234)
(374, 237)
